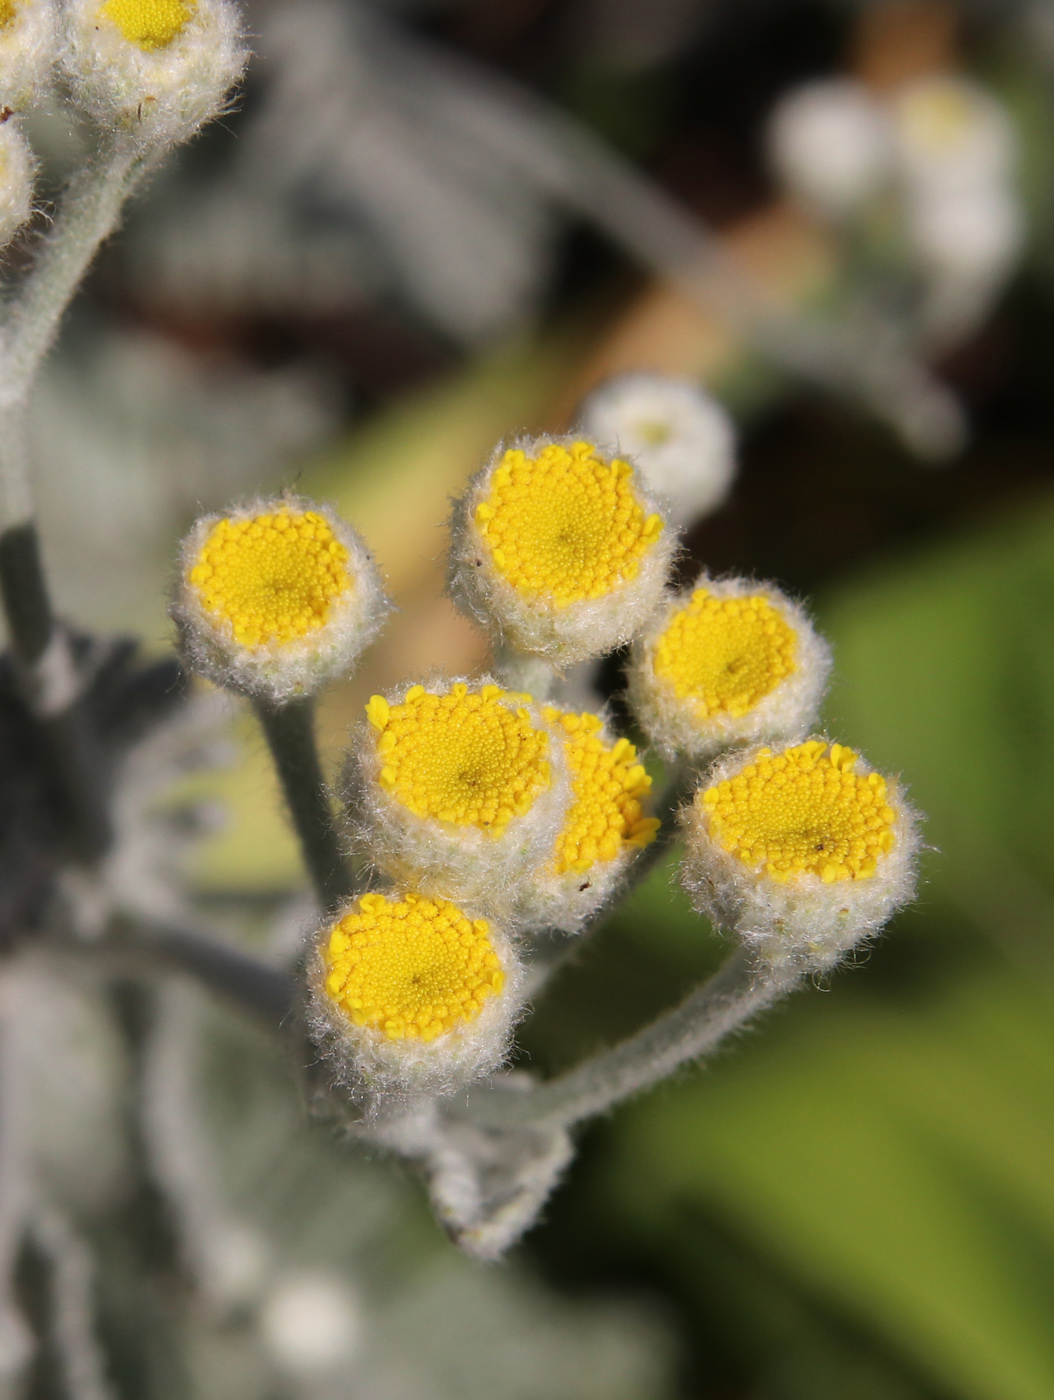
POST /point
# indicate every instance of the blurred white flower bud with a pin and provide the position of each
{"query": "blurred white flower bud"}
(311, 1323)
(831, 144)
(681, 440)
(953, 134)
(17, 173)
(155, 69)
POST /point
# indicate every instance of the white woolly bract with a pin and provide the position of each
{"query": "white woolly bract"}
(28, 45)
(566, 902)
(831, 144)
(463, 862)
(384, 1076)
(802, 922)
(786, 714)
(17, 172)
(279, 671)
(159, 96)
(679, 437)
(561, 636)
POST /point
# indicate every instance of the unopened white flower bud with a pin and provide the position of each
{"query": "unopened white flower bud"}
(831, 144)
(681, 440)
(558, 550)
(730, 661)
(952, 133)
(411, 996)
(28, 45)
(801, 852)
(458, 786)
(276, 598)
(155, 69)
(606, 827)
(973, 233)
(17, 172)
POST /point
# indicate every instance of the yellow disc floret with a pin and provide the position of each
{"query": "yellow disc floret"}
(608, 788)
(803, 811)
(8, 11)
(565, 525)
(273, 578)
(411, 968)
(149, 24)
(725, 654)
(467, 757)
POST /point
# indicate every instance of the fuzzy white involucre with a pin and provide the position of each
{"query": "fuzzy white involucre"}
(18, 168)
(787, 713)
(460, 862)
(385, 1077)
(156, 97)
(801, 923)
(560, 636)
(279, 671)
(28, 46)
(681, 439)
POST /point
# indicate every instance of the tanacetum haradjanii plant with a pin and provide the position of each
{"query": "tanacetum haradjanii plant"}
(492, 823)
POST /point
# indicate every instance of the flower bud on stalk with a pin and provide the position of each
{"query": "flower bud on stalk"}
(276, 598)
(729, 662)
(457, 786)
(802, 853)
(557, 550)
(154, 69)
(411, 995)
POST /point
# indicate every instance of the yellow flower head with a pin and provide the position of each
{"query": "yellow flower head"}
(276, 597)
(469, 758)
(803, 812)
(457, 786)
(725, 654)
(565, 525)
(411, 968)
(149, 24)
(273, 577)
(608, 791)
(730, 661)
(8, 11)
(558, 550)
(802, 851)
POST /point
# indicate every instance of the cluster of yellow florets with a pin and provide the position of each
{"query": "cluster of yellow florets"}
(725, 654)
(609, 787)
(271, 578)
(465, 757)
(566, 524)
(803, 812)
(7, 12)
(411, 968)
(149, 24)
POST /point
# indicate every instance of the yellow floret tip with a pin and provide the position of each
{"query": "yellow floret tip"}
(724, 655)
(271, 578)
(608, 789)
(803, 812)
(565, 526)
(410, 968)
(466, 758)
(149, 24)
